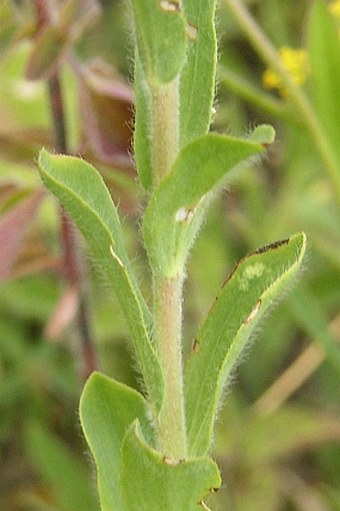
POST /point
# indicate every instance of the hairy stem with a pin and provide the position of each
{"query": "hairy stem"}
(168, 305)
(168, 292)
(165, 128)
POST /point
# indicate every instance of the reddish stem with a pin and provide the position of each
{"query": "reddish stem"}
(72, 265)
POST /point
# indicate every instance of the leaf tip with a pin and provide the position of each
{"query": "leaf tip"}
(263, 134)
(42, 154)
(300, 240)
(45, 159)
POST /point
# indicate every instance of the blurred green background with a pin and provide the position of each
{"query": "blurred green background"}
(278, 438)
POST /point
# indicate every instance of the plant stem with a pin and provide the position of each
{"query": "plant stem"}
(168, 314)
(255, 96)
(72, 264)
(168, 292)
(165, 128)
(267, 51)
(57, 110)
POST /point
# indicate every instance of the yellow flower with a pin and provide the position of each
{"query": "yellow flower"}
(295, 61)
(334, 8)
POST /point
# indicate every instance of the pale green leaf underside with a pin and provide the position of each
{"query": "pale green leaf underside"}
(82, 192)
(150, 482)
(107, 409)
(175, 210)
(324, 60)
(161, 38)
(197, 79)
(245, 297)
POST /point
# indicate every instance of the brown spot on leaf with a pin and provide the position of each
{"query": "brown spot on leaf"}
(196, 346)
(272, 246)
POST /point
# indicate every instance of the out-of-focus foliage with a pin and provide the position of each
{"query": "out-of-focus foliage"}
(278, 436)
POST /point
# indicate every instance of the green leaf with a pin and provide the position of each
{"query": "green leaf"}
(142, 134)
(324, 60)
(197, 79)
(245, 297)
(174, 213)
(60, 469)
(151, 482)
(107, 409)
(81, 190)
(161, 38)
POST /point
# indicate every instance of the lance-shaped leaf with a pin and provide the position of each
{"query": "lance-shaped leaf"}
(245, 297)
(81, 190)
(324, 60)
(161, 38)
(151, 482)
(107, 409)
(142, 134)
(175, 210)
(197, 79)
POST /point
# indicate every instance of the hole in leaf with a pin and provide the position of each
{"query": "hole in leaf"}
(172, 462)
(184, 215)
(170, 6)
(192, 32)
